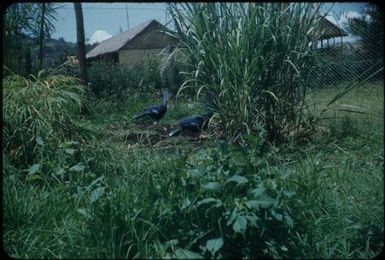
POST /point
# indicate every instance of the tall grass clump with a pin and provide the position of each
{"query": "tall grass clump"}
(250, 61)
(38, 108)
(170, 69)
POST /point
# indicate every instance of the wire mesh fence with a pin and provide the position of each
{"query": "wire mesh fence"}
(360, 61)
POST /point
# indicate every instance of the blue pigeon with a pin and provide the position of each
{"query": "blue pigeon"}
(193, 124)
(156, 112)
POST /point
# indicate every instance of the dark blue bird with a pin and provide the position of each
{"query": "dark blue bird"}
(156, 112)
(193, 124)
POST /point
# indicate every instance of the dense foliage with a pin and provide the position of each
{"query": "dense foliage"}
(234, 207)
(118, 80)
(27, 23)
(370, 28)
(82, 179)
(42, 107)
(103, 198)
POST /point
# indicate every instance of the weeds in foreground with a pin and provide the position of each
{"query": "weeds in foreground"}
(326, 200)
(97, 198)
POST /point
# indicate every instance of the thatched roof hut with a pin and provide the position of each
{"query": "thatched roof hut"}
(139, 43)
(330, 30)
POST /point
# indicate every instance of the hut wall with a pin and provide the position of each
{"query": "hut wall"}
(131, 57)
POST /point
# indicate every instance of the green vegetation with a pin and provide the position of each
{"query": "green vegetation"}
(370, 26)
(108, 79)
(41, 107)
(121, 192)
(360, 110)
(27, 38)
(283, 173)
(249, 61)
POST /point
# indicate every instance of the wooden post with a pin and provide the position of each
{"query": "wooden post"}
(81, 45)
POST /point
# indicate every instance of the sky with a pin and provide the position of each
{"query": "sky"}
(103, 20)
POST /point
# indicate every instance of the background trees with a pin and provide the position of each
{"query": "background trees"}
(370, 28)
(27, 25)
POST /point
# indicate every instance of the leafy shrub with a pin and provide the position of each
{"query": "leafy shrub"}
(228, 205)
(38, 109)
(68, 68)
(150, 73)
(117, 79)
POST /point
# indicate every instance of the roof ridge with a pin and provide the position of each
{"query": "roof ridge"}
(121, 39)
(143, 26)
(335, 26)
(130, 30)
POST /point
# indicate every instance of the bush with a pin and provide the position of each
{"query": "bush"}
(69, 67)
(38, 109)
(228, 205)
(110, 79)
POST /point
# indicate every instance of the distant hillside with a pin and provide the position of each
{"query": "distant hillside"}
(55, 50)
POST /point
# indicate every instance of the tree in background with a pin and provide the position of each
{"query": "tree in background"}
(19, 19)
(25, 25)
(370, 28)
(45, 27)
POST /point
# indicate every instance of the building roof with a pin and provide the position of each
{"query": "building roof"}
(116, 42)
(330, 29)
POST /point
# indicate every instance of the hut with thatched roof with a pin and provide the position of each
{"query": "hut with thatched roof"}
(330, 31)
(137, 44)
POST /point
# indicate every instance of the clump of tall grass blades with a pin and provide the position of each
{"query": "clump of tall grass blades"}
(38, 107)
(249, 61)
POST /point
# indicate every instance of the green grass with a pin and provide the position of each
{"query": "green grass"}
(367, 98)
(125, 202)
(339, 200)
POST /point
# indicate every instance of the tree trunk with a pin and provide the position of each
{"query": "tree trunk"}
(81, 42)
(28, 61)
(41, 36)
(18, 46)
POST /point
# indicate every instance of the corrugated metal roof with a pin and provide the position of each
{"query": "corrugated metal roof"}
(116, 42)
